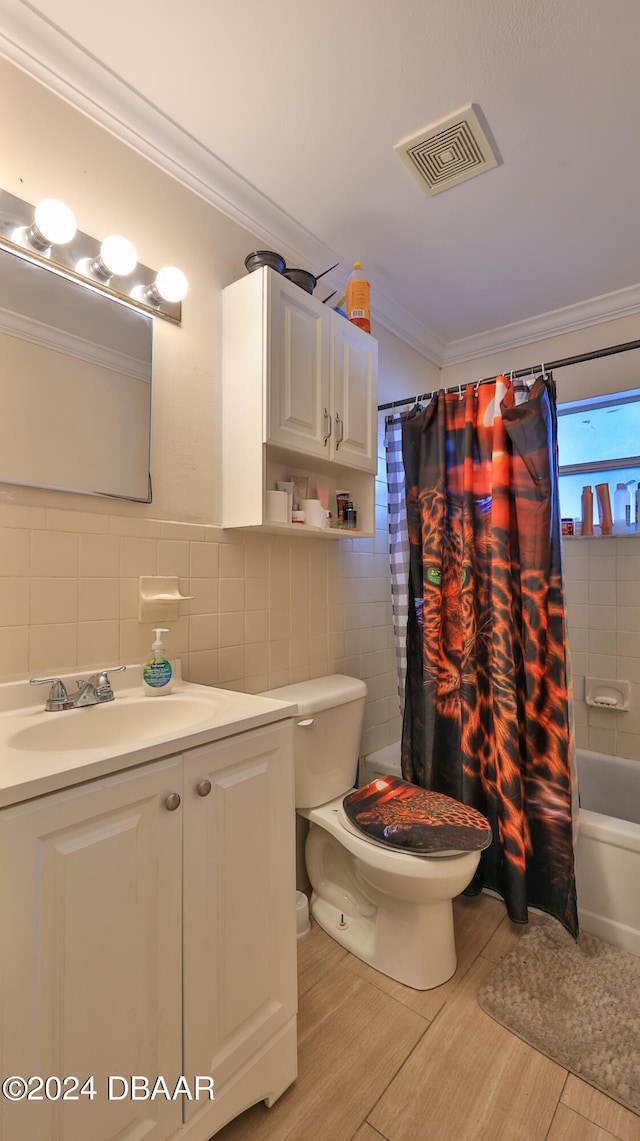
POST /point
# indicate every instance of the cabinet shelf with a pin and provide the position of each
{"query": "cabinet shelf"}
(304, 531)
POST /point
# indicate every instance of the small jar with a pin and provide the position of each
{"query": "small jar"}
(350, 517)
(297, 516)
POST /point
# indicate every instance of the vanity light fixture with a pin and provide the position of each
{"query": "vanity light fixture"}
(49, 236)
(53, 224)
(117, 257)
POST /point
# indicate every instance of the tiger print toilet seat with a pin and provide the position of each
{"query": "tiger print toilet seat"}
(400, 815)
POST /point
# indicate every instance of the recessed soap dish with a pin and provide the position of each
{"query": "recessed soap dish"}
(159, 598)
(604, 693)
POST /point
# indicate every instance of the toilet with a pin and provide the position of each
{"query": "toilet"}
(384, 861)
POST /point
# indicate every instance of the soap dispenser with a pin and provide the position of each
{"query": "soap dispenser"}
(157, 672)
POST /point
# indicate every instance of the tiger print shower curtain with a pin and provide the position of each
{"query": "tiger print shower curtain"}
(487, 704)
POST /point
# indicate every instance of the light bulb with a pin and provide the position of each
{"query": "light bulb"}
(118, 255)
(54, 224)
(170, 284)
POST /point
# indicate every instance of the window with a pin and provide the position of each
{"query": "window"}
(598, 442)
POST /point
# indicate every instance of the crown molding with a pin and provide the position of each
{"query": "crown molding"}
(408, 328)
(607, 307)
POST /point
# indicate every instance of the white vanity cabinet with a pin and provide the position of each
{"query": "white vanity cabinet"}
(299, 395)
(240, 984)
(148, 929)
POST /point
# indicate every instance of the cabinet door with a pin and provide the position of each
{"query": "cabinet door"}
(239, 913)
(354, 366)
(90, 892)
(298, 369)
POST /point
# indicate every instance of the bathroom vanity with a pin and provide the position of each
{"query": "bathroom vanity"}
(148, 913)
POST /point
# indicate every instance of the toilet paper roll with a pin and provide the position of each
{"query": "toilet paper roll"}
(315, 513)
(277, 507)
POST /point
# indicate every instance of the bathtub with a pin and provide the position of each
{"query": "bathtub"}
(608, 845)
(608, 848)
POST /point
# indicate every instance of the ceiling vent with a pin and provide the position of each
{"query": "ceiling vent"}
(448, 152)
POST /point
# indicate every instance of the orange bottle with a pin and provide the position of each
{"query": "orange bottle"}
(358, 300)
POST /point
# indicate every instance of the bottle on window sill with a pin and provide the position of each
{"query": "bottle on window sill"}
(587, 511)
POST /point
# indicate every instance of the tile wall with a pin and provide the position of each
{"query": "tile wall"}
(603, 595)
(266, 610)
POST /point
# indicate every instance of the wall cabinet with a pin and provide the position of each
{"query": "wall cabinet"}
(149, 929)
(299, 396)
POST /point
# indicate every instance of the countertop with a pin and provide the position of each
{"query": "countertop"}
(27, 772)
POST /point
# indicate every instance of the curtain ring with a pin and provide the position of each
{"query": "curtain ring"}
(460, 392)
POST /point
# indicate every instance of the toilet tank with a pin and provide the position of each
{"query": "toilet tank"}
(327, 735)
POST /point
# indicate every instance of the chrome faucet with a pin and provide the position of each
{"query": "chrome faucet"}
(94, 691)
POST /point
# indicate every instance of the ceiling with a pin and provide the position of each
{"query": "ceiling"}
(285, 115)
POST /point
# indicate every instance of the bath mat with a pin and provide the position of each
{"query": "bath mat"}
(577, 1003)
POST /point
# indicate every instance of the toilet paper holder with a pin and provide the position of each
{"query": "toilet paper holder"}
(605, 693)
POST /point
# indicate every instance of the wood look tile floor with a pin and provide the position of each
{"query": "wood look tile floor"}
(379, 1060)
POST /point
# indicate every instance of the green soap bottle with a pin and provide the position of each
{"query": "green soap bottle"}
(157, 671)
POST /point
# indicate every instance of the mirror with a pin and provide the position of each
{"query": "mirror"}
(75, 376)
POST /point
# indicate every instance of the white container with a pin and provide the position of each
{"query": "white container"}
(277, 507)
(315, 513)
(621, 508)
(303, 923)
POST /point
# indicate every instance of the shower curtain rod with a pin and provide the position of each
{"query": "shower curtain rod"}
(612, 350)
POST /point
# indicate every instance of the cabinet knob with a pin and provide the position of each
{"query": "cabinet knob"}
(327, 416)
(204, 788)
(172, 802)
(339, 424)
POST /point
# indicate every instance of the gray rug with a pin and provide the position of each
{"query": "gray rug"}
(578, 1003)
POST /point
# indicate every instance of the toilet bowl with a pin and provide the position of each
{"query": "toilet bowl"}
(390, 907)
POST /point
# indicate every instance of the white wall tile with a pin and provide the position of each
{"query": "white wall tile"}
(56, 600)
(628, 618)
(138, 556)
(14, 602)
(54, 554)
(232, 629)
(52, 648)
(602, 568)
(173, 558)
(15, 552)
(98, 599)
(204, 560)
(99, 556)
(98, 644)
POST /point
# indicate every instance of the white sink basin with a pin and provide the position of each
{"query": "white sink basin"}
(122, 722)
